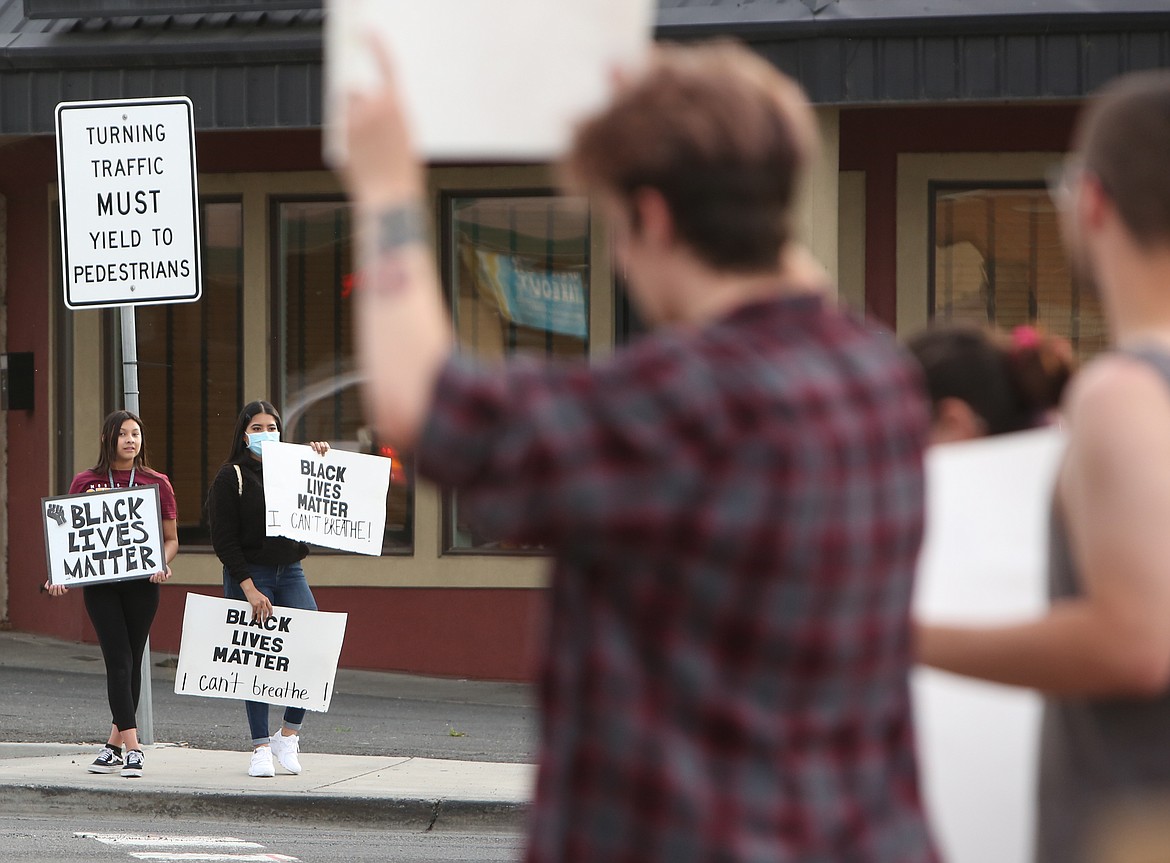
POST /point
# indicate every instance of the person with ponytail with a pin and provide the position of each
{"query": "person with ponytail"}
(122, 611)
(985, 382)
(261, 570)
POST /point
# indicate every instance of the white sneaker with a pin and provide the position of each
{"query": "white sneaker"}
(285, 748)
(261, 762)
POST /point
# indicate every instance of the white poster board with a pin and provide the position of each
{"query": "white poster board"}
(290, 659)
(500, 80)
(337, 500)
(108, 535)
(129, 202)
(983, 561)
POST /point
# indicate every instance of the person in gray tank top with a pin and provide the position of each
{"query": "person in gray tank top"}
(1101, 654)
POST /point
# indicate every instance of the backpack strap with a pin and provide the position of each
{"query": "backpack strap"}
(239, 480)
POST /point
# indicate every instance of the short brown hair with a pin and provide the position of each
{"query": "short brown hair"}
(721, 134)
(1123, 139)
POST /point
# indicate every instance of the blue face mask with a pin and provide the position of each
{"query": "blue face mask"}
(257, 438)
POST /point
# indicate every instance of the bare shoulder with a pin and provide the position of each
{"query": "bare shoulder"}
(1118, 402)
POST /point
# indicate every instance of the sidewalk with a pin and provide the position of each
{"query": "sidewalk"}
(375, 791)
(354, 790)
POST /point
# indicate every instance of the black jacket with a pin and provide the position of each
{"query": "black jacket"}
(237, 521)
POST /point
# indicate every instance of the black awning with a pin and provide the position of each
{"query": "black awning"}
(868, 18)
(114, 8)
(261, 68)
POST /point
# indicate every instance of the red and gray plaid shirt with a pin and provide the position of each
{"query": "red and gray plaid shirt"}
(735, 513)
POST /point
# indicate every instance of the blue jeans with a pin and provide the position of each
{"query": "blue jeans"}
(284, 585)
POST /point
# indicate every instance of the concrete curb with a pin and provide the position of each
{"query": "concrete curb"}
(412, 794)
(412, 814)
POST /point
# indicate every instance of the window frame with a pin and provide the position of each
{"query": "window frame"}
(448, 271)
(915, 172)
(192, 539)
(936, 187)
(1077, 292)
(279, 357)
(429, 568)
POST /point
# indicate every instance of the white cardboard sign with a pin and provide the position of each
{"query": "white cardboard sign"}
(484, 79)
(290, 659)
(983, 561)
(337, 500)
(101, 536)
(129, 202)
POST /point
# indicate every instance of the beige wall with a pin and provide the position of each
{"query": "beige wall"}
(426, 567)
(817, 225)
(816, 211)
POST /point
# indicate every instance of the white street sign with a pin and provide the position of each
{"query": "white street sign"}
(129, 202)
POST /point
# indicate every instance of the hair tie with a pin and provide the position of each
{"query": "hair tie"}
(1025, 337)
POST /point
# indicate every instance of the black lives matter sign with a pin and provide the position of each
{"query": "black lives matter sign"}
(129, 202)
(290, 658)
(108, 535)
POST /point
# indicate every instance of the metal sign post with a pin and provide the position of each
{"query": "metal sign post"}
(130, 391)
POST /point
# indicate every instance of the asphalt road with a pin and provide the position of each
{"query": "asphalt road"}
(97, 839)
(55, 692)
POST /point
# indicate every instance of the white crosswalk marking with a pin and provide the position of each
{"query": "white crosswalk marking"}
(226, 857)
(211, 843)
(156, 841)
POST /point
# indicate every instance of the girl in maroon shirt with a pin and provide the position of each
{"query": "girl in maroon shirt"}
(122, 611)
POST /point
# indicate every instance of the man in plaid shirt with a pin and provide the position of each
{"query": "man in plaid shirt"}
(734, 503)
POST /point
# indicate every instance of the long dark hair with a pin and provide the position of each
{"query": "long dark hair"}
(239, 448)
(1009, 381)
(108, 453)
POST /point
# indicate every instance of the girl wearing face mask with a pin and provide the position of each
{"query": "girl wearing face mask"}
(261, 570)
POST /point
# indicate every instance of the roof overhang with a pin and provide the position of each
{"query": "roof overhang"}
(40, 9)
(873, 18)
(261, 68)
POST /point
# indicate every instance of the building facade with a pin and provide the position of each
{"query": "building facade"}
(928, 202)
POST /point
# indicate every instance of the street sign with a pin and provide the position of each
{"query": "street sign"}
(129, 202)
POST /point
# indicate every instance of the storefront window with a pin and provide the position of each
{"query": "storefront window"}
(190, 372)
(998, 259)
(320, 395)
(516, 269)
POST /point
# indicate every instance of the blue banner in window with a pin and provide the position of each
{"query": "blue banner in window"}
(541, 298)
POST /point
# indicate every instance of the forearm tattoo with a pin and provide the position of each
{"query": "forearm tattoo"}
(395, 229)
(400, 226)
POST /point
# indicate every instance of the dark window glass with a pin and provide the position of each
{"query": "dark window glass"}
(318, 388)
(190, 370)
(516, 268)
(998, 259)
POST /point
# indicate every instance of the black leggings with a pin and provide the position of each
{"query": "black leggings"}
(121, 613)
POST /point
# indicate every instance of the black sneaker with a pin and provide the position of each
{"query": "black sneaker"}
(133, 763)
(108, 761)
